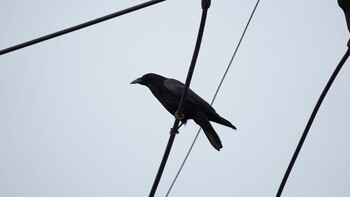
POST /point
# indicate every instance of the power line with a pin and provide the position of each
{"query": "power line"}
(345, 5)
(309, 123)
(216, 93)
(80, 26)
(179, 113)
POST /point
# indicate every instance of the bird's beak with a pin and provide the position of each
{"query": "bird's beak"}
(139, 80)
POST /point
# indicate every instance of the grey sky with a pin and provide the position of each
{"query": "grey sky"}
(72, 125)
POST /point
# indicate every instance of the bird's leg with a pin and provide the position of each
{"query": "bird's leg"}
(178, 117)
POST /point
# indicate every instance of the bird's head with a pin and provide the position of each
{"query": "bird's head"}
(147, 79)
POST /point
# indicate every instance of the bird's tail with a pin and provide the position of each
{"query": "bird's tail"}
(209, 131)
(218, 119)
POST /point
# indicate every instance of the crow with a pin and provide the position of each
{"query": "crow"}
(169, 91)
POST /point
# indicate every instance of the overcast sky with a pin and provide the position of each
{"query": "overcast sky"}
(72, 125)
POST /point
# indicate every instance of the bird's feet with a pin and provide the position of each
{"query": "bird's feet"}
(179, 116)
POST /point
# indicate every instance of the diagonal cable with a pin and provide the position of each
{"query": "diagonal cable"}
(216, 93)
(78, 27)
(179, 114)
(345, 5)
(311, 119)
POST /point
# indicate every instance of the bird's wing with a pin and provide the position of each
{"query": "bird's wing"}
(176, 88)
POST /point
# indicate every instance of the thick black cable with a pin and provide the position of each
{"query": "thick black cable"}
(311, 119)
(345, 6)
(80, 26)
(178, 114)
(216, 93)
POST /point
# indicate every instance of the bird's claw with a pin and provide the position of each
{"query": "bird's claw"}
(179, 116)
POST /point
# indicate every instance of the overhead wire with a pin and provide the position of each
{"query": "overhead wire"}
(215, 95)
(345, 5)
(179, 113)
(80, 26)
(311, 119)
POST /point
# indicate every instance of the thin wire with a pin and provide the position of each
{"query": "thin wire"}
(178, 114)
(216, 93)
(311, 119)
(80, 26)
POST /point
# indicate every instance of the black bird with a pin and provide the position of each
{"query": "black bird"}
(169, 91)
